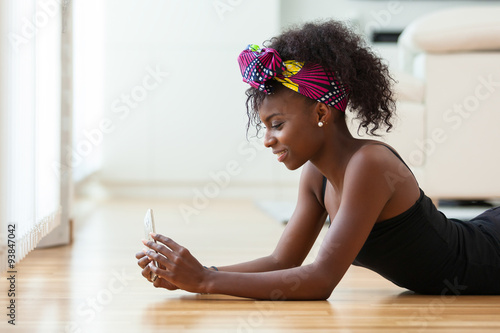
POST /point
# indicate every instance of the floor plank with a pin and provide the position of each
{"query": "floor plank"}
(94, 285)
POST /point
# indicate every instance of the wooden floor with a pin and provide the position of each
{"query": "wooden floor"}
(94, 285)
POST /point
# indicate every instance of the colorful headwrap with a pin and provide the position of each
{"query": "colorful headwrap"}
(258, 66)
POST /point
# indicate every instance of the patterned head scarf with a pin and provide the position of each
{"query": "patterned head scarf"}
(258, 66)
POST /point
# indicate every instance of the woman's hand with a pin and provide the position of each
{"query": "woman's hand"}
(177, 266)
(145, 263)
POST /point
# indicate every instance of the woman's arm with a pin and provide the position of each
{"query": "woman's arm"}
(296, 241)
(366, 192)
(300, 232)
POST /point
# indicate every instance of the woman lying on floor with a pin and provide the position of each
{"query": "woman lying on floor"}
(301, 85)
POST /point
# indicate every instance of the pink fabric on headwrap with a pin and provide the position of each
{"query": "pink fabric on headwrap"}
(258, 66)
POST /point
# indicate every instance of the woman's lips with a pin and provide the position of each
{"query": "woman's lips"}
(281, 155)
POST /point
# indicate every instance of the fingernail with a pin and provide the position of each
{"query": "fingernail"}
(152, 234)
(144, 241)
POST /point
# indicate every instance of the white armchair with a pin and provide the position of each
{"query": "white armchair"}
(449, 102)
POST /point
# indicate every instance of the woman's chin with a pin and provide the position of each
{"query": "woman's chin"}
(292, 166)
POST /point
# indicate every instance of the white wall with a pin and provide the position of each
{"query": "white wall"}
(85, 153)
(172, 134)
(168, 133)
(375, 13)
(368, 15)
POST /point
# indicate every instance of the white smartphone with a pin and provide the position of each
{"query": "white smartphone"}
(149, 226)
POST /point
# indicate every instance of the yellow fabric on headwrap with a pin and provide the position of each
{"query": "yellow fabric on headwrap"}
(292, 68)
(259, 66)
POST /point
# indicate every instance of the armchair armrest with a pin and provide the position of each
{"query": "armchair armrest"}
(463, 29)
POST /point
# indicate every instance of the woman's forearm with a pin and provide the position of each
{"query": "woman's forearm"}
(180, 269)
(299, 283)
(264, 264)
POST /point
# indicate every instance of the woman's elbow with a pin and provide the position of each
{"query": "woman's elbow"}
(321, 290)
(325, 284)
(324, 293)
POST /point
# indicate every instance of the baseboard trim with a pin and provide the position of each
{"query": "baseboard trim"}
(96, 189)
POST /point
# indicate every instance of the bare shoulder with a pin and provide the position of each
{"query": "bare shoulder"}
(368, 171)
(372, 157)
(377, 156)
(375, 171)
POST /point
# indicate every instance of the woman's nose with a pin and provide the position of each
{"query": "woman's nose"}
(269, 139)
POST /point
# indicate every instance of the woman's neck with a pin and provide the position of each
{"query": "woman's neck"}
(336, 152)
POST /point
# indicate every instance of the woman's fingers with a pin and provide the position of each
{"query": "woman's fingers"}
(146, 264)
(162, 244)
(167, 247)
(176, 265)
(165, 274)
(161, 266)
(143, 259)
(146, 272)
(167, 242)
(156, 247)
(162, 283)
(161, 260)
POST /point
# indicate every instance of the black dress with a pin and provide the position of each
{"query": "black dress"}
(424, 251)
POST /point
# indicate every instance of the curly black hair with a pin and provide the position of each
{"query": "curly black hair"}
(336, 47)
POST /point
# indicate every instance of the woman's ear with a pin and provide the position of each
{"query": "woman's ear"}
(323, 113)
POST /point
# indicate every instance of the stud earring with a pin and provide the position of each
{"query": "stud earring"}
(320, 124)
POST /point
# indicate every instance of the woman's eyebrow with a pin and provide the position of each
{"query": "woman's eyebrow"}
(272, 115)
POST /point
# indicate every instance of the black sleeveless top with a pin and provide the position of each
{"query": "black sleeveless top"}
(425, 252)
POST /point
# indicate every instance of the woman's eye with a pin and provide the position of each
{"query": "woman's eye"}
(277, 125)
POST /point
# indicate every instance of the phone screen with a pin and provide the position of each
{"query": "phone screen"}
(149, 226)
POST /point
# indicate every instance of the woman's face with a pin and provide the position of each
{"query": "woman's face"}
(292, 130)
